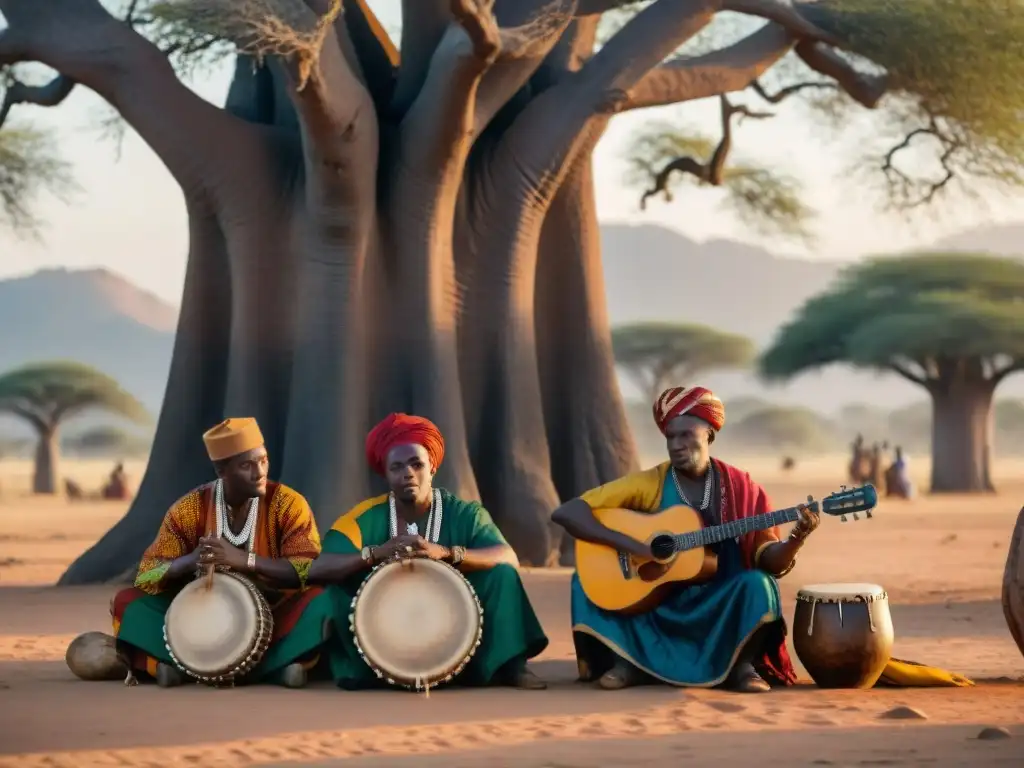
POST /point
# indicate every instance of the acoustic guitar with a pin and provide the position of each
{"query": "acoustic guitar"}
(618, 581)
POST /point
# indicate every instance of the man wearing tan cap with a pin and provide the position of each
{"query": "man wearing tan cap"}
(243, 522)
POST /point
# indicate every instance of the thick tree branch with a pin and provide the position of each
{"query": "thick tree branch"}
(866, 89)
(526, 40)
(1014, 366)
(199, 143)
(51, 94)
(905, 371)
(724, 71)
(437, 131)
(711, 172)
(423, 25)
(328, 93)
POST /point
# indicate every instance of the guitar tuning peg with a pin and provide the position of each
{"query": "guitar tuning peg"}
(855, 516)
(868, 514)
(842, 518)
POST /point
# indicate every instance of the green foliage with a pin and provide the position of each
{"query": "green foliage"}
(107, 440)
(919, 310)
(47, 393)
(30, 164)
(765, 200)
(660, 355)
(779, 428)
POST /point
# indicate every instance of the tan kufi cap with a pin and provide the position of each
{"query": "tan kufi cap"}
(232, 437)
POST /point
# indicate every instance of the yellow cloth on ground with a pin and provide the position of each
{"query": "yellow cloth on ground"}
(910, 674)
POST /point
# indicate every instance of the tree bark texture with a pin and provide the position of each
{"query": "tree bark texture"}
(962, 437)
(46, 470)
(381, 232)
(1013, 584)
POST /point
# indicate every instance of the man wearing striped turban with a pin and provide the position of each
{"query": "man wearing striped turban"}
(416, 519)
(728, 631)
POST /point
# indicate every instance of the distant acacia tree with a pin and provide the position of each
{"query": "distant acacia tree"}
(950, 323)
(47, 394)
(659, 355)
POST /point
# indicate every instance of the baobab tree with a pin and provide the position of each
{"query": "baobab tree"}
(377, 228)
(46, 395)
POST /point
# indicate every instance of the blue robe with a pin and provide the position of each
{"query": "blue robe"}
(694, 637)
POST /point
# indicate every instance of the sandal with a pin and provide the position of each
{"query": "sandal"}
(622, 675)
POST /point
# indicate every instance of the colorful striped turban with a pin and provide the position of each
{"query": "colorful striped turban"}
(403, 429)
(695, 401)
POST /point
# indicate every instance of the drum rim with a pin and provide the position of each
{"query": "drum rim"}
(818, 593)
(451, 675)
(259, 646)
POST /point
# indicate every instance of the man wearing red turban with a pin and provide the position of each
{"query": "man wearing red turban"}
(415, 519)
(729, 630)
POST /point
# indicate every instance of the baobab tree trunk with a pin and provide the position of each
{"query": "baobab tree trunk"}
(322, 287)
(45, 472)
(1013, 584)
(961, 437)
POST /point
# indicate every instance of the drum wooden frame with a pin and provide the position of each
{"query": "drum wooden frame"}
(843, 633)
(258, 621)
(367, 621)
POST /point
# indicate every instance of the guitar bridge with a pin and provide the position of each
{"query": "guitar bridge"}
(624, 565)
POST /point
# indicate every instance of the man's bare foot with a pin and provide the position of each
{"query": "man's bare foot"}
(293, 676)
(744, 679)
(169, 677)
(622, 675)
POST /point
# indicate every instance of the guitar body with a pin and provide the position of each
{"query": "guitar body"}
(628, 585)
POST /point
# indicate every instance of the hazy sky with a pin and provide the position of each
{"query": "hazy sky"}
(130, 217)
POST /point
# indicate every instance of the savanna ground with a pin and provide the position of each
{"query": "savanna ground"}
(941, 560)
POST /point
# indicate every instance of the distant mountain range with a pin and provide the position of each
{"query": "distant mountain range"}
(651, 273)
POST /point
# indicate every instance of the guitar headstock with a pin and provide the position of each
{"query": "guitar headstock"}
(850, 501)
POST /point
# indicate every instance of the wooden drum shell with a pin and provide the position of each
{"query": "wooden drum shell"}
(844, 641)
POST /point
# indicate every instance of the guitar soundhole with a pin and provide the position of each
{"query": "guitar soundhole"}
(662, 547)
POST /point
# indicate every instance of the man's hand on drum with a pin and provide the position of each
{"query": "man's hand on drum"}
(809, 520)
(217, 551)
(414, 546)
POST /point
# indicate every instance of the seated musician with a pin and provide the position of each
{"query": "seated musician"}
(407, 451)
(728, 630)
(243, 503)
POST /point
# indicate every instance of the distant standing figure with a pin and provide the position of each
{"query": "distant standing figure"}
(859, 469)
(876, 475)
(117, 485)
(897, 478)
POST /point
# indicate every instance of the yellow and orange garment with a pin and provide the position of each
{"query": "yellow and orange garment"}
(285, 528)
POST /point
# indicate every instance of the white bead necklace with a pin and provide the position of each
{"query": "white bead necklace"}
(246, 535)
(433, 519)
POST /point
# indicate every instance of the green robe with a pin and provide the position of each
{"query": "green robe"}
(511, 633)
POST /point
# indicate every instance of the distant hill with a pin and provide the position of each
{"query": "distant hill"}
(91, 316)
(1005, 239)
(651, 273)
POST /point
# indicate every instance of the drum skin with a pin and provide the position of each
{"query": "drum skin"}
(219, 634)
(843, 634)
(417, 622)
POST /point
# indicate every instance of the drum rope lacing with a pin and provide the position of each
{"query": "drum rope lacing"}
(246, 535)
(434, 518)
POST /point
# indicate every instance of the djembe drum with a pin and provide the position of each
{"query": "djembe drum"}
(218, 628)
(843, 633)
(416, 622)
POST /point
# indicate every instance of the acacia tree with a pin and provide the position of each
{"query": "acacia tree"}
(656, 355)
(950, 323)
(375, 230)
(47, 394)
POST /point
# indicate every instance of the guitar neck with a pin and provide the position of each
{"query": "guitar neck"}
(716, 533)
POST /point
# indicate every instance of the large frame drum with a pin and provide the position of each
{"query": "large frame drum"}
(416, 622)
(843, 633)
(217, 632)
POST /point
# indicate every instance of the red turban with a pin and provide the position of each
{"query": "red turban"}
(402, 429)
(696, 401)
